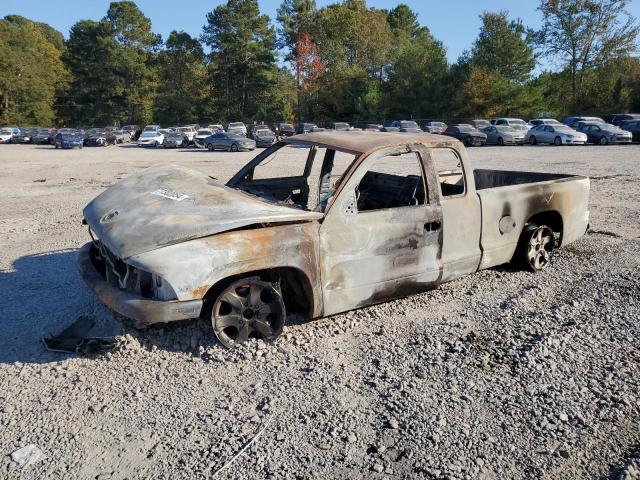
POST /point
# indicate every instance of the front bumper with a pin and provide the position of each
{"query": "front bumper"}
(142, 310)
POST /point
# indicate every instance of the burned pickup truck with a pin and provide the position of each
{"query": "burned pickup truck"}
(318, 224)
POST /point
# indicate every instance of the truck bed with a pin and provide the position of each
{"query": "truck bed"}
(514, 197)
(503, 178)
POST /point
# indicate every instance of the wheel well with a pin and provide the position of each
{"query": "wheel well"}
(551, 218)
(296, 289)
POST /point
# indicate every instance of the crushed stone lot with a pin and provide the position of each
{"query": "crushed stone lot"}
(502, 374)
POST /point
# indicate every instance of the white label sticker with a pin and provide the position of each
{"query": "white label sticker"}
(163, 192)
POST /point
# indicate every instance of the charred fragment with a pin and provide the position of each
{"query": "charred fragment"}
(384, 216)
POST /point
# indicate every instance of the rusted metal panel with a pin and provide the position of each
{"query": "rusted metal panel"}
(192, 232)
(567, 196)
(168, 204)
(370, 257)
(195, 266)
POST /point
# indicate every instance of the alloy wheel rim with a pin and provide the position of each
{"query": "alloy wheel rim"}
(540, 248)
(251, 309)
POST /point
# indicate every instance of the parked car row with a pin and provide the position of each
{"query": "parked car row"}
(573, 130)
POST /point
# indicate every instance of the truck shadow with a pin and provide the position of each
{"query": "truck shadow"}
(42, 294)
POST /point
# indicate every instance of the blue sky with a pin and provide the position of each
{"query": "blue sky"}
(455, 23)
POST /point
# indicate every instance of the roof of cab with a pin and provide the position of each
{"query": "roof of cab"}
(362, 142)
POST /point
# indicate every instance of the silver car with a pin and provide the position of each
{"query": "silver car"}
(503, 135)
(229, 141)
(555, 135)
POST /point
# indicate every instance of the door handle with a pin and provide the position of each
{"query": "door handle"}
(432, 226)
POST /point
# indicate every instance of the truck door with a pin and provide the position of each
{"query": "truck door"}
(382, 236)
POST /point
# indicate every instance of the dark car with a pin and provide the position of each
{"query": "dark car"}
(339, 126)
(43, 136)
(263, 136)
(98, 138)
(175, 140)
(604, 133)
(632, 126)
(467, 134)
(619, 118)
(68, 140)
(286, 130)
(25, 135)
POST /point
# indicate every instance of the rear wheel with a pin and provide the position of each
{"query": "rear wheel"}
(533, 140)
(557, 141)
(234, 147)
(535, 248)
(604, 141)
(248, 308)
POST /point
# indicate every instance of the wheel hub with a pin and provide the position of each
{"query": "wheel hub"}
(248, 309)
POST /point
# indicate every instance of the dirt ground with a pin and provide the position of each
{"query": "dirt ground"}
(502, 374)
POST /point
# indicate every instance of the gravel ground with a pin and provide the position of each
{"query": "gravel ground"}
(502, 374)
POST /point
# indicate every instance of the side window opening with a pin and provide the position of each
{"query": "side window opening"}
(450, 173)
(393, 181)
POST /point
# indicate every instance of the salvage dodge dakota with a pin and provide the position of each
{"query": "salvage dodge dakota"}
(318, 224)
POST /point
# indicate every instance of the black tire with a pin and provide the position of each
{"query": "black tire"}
(210, 147)
(533, 140)
(467, 142)
(234, 147)
(603, 141)
(535, 248)
(501, 141)
(557, 141)
(250, 307)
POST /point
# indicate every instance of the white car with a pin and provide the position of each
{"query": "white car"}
(216, 128)
(515, 123)
(151, 128)
(555, 135)
(5, 135)
(188, 132)
(150, 139)
(200, 137)
(238, 128)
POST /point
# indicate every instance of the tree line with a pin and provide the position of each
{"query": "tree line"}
(346, 61)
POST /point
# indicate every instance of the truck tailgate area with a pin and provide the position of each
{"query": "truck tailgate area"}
(509, 199)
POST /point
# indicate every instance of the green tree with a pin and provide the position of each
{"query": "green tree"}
(51, 34)
(504, 46)
(416, 78)
(586, 34)
(135, 69)
(243, 58)
(182, 74)
(31, 72)
(93, 96)
(295, 17)
(403, 21)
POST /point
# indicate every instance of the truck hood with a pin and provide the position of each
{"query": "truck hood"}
(168, 204)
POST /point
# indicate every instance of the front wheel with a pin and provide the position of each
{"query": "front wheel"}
(533, 140)
(234, 147)
(535, 247)
(248, 308)
(210, 147)
(501, 141)
(604, 141)
(557, 141)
